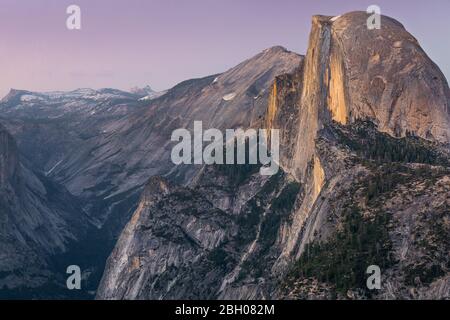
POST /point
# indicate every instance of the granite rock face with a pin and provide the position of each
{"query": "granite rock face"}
(38, 219)
(378, 192)
(199, 242)
(364, 123)
(386, 76)
(351, 73)
(235, 234)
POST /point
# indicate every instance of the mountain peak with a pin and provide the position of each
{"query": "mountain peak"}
(276, 49)
(14, 95)
(142, 92)
(383, 75)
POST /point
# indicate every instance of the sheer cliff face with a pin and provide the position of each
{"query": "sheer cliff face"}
(362, 119)
(352, 73)
(385, 75)
(199, 242)
(38, 219)
(9, 164)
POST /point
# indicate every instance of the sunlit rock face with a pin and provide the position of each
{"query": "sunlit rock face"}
(352, 73)
(385, 75)
(361, 106)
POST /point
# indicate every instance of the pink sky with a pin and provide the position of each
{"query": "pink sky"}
(162, 42)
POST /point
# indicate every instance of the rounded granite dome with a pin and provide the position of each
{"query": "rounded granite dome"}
(387, 77)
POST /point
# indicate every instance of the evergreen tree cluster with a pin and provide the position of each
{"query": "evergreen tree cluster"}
(343, 260)
(383, 148)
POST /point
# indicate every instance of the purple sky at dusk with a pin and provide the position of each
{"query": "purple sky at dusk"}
(162, 42)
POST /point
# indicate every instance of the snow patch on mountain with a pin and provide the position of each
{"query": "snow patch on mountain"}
(229, 97)
(29, 97)
(153, 96)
